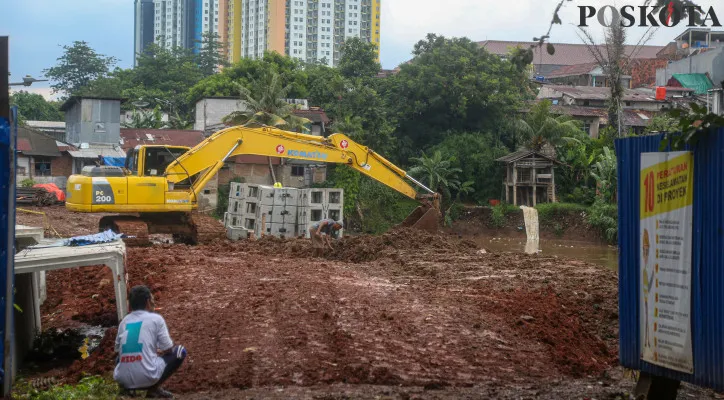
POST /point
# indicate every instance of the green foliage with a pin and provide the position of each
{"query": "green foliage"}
(662, 123)
(34, 107)
(437, 172)
(453, 213)
(550, 212)
(452, 85)
(290, 71)
(605, 172)
(540, 127)
(93, 387)
(145, 119)
(77, 67)
(475, 155)
(693, 125)
(211, 55)
(27, 183)
(499, 212)
(580, 195)
(359, 59)
(264, 102)
(381, 208)
(604, 217)
(222, 196)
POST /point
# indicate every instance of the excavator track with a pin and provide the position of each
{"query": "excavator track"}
(206, 229)
(134, 228)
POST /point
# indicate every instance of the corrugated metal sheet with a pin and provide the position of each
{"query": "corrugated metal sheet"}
(707, 261)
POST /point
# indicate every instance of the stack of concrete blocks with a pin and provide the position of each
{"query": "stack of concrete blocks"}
(241, 217)
(279, 212)
(318, 204)
(285, 212)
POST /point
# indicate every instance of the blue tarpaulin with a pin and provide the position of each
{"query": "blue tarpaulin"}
(114, 161)
(97, 238)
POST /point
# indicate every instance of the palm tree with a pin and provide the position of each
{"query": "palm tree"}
(177, 121)
(265, 105)
(439, 173)
(541, 127)
(145, 119)
(605, 172)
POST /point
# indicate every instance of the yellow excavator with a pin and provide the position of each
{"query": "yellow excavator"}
(158, 189)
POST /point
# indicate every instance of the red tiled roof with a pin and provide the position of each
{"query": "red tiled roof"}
(631, 117)
(602, 93)
(134, 137)
(313, 115)
(573, 70)
(577, 111)
(566, 53)
(24, 145)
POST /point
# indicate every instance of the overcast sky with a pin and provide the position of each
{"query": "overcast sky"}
(38, 28)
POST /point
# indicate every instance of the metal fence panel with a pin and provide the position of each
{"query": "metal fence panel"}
(707, 314)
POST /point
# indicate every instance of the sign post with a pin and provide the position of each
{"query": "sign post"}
(665, 243)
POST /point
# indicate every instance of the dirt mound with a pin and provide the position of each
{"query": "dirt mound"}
(543, 316)
(358, 249)
(86, 295)
(100, 362)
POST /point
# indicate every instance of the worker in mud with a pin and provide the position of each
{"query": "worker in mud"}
(321, 233)
(147, 356)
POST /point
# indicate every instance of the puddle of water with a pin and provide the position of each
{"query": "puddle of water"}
(600, 254)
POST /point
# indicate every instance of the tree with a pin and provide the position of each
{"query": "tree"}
(438, 172)
(451, 85)
(359, 59)
(77, 67)
(34, 107)
(605, 173)
(541, 127)
(662, 123)
(211, 54)
(264, 102)
(145, 119)
(290, 71)
(475, 154)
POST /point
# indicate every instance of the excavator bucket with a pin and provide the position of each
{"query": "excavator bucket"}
(426, 217)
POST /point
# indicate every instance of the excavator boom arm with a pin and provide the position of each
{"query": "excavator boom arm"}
(209, 156)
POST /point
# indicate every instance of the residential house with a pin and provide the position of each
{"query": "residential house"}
(319, 122)
(589, 105)
(703, 53)
(566, 54)
(589, 74)
(55, 129)
(529, 178)
(40, 159)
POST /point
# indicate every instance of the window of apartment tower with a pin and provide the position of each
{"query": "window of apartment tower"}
(42, 166)
(297, 170)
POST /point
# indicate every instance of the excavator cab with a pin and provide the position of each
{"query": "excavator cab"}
(152, 160)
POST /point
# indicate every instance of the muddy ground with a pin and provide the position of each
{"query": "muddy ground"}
(402, 315)
(477, 221)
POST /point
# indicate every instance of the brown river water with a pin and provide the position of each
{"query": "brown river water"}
(596, 253)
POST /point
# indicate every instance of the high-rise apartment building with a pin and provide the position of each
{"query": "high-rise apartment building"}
(310, 30)
(143, 26)
(183, 23)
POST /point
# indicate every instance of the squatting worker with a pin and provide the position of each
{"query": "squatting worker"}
(321, 233)
(147, 356)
